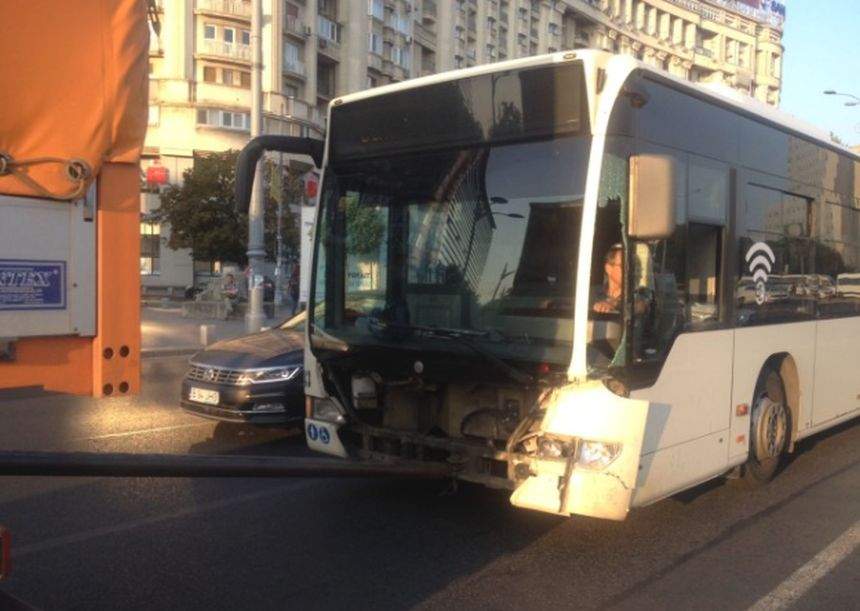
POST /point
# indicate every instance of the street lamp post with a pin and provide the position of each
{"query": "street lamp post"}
(256, 246)
(855, 101)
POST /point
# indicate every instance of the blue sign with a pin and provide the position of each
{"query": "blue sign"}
(325, 436)
(32, 285)
(313, 432)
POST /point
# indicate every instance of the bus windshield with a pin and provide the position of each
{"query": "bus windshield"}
(480, 239)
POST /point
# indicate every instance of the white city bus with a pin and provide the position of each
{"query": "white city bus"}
(461, 247)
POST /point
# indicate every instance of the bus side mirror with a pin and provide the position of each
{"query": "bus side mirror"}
(246, 164)
(653, 180)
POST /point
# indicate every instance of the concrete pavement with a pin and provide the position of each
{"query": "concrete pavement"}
(183, 544)
(164, 332)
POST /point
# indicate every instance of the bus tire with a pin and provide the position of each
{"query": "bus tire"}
(770, 429)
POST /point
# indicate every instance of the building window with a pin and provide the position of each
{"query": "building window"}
(210, 75)
(150, 248)
(240, 121)
(245, 80)
(226, 76)
(229, 35)
(325, 80)
(375, 43)
(245, 37)
(209, 32)
(292, 58)
(328, 29)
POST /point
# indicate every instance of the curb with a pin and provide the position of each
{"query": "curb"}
(153, 353)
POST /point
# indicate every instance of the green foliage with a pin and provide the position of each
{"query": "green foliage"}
(364, 227)
(202, 215)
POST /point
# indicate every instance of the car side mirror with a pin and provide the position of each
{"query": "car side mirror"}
(653, 192)
(246, 164)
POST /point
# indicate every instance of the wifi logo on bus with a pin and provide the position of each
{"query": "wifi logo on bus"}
(760, 261)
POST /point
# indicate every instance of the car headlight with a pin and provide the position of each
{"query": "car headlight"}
(597, 454)
(268, 374)
(326, 410)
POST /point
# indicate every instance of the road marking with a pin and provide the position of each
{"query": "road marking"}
(95, 533)
(159, 429)
(802, 580)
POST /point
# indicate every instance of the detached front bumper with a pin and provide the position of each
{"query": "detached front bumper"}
(255, 404)
(469, 461)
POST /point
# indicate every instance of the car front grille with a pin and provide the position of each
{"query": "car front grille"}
(214, 375)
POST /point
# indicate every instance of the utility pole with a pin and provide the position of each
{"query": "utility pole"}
(279, 264)
(256, 247)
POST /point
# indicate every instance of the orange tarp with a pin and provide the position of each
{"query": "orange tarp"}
(73, 85)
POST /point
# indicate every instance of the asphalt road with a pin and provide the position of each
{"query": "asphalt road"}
(100, 543)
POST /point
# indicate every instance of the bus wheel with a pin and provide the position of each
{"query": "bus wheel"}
(769, 431)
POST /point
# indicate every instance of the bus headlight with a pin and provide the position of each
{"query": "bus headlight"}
(325, 410)
(551, 448)
(597, 454)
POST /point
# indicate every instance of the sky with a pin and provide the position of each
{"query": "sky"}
(822, 51)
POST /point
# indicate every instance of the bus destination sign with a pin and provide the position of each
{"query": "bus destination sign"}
(32, 285)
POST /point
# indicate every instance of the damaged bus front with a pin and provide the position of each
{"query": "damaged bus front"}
(453, 264)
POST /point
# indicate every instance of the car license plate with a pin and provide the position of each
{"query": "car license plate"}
(203, 395)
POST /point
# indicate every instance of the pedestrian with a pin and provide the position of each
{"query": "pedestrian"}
(293, 288)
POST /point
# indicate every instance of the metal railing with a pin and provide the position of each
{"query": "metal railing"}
(227, 49)
(294, 24)
(295, 66)
(226, 7)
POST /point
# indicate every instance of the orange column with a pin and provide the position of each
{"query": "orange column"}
(116, 348)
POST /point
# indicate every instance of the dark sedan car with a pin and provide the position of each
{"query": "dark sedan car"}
(254, 379)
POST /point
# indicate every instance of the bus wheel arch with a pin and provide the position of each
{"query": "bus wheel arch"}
(773, 417)
(791, 384)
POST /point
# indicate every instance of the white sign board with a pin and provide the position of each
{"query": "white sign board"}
(309, 214)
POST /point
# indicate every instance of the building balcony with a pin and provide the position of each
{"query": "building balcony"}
(296, 26)
(223, 96)
(329, 49)
(284, 106)
(429, 11)
(227, 50)
(294, 66)
(424, 36)
(229, 8)
(374, 62)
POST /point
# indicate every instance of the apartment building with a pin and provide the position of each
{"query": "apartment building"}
(316, 50)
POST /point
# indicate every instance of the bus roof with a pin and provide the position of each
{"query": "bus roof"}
(725, 96)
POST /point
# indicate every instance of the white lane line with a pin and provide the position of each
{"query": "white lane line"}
(80, 537)
(159, 429)
(802, 580)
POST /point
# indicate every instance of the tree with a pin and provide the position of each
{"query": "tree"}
(202, 213)
(364, 227)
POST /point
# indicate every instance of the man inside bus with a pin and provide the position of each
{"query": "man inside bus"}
(609, 302)
(613, 281)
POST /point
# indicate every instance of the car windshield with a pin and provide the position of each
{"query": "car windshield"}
(480, 239)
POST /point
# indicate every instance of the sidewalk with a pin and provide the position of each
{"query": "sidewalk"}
(164, 332)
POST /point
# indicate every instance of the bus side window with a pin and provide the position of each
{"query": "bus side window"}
(703, 265)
